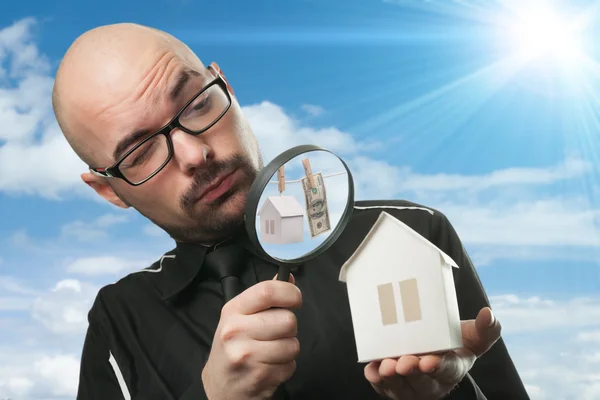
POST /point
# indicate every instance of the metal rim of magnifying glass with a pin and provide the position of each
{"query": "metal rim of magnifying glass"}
(262, 181)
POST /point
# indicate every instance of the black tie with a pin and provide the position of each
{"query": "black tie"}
(225, 264)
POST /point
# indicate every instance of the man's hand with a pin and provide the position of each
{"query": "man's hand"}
(255, 344)
(432, 377)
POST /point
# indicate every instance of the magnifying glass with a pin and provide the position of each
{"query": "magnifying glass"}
(298, 206)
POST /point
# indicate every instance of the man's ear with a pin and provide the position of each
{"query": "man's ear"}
(103, 189)
(218, 69)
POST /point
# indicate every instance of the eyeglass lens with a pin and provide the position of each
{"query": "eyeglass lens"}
(154, 153)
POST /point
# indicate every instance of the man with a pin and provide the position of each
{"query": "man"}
(164, 134)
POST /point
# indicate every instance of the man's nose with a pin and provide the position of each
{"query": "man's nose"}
(190, 152)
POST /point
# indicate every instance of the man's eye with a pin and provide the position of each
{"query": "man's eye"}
(201, 104)
(198, 108)
(139, 156)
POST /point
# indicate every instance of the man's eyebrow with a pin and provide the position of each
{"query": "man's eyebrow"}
(183, 78)
(128, 141)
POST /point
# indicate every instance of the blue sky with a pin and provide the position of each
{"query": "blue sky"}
(430, 101)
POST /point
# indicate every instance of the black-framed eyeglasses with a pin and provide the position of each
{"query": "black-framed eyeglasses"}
(147, 158)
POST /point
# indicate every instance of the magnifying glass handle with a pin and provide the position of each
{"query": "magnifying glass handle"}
(284, 273)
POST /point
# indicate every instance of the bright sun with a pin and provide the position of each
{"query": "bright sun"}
(541, 32)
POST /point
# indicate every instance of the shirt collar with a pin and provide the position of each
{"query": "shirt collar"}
(184, 268)
(189, 258)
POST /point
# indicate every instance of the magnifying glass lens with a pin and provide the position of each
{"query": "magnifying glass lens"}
(302, 204)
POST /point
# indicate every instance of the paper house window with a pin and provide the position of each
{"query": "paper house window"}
(409, 300)
(281, 220)
(270, 226)
(401, 293)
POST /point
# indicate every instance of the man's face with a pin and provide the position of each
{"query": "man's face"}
(200, 194)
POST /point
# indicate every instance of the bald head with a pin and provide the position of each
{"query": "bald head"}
(104, 68)
(119, 84)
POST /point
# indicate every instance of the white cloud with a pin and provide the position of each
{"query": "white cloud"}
(10, 285)
(63, 310)
(571, 168)
(313, 109)
(61, 372)
(95, 230)
(38, 375)
(594, 357)
(485, 255)
(108, 220)
(44, 363)
(535, 314)
(14, 303)
(21, 239)
(535, 392)
(35, 158)
(277, 132)
(545, 222)
(14, 296)
(106, 265)
(551, 342)
(153, 230)
(591, 336)
(501, 214)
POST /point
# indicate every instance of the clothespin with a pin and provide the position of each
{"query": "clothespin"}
(281, 179)
(308, 172)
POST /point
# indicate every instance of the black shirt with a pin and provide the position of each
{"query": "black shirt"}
(150, 333)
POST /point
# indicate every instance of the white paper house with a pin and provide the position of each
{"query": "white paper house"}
(401, 292)
(281, 220)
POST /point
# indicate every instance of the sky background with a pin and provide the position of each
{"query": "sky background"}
(486, 110)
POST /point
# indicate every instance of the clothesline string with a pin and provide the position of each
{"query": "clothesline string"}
(300, 180)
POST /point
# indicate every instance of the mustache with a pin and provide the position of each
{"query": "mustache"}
(203, 177)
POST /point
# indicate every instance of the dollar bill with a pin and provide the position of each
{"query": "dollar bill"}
(316, 205)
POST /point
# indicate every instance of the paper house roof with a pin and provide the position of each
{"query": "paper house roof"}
(385, 227)
(286, 206)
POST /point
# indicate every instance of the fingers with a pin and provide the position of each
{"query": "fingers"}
(430, 363)
(282, 351)
(377, 371)
(417, 376)
(275, 323)
(406, 365)
(487, 323)
(274, 352)
(387, 368)
(265, 295)
(383, 374)
(479, 335)
(372, 373)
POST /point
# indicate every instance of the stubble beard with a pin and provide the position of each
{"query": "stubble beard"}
(221, 218)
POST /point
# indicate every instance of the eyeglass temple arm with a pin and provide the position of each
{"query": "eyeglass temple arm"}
(100, 172)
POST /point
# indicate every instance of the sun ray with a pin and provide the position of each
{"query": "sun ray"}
(470, 10)
(473, 90)
(585, 125)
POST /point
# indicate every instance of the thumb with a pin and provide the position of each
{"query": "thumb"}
(479, 335)
(291, 279)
